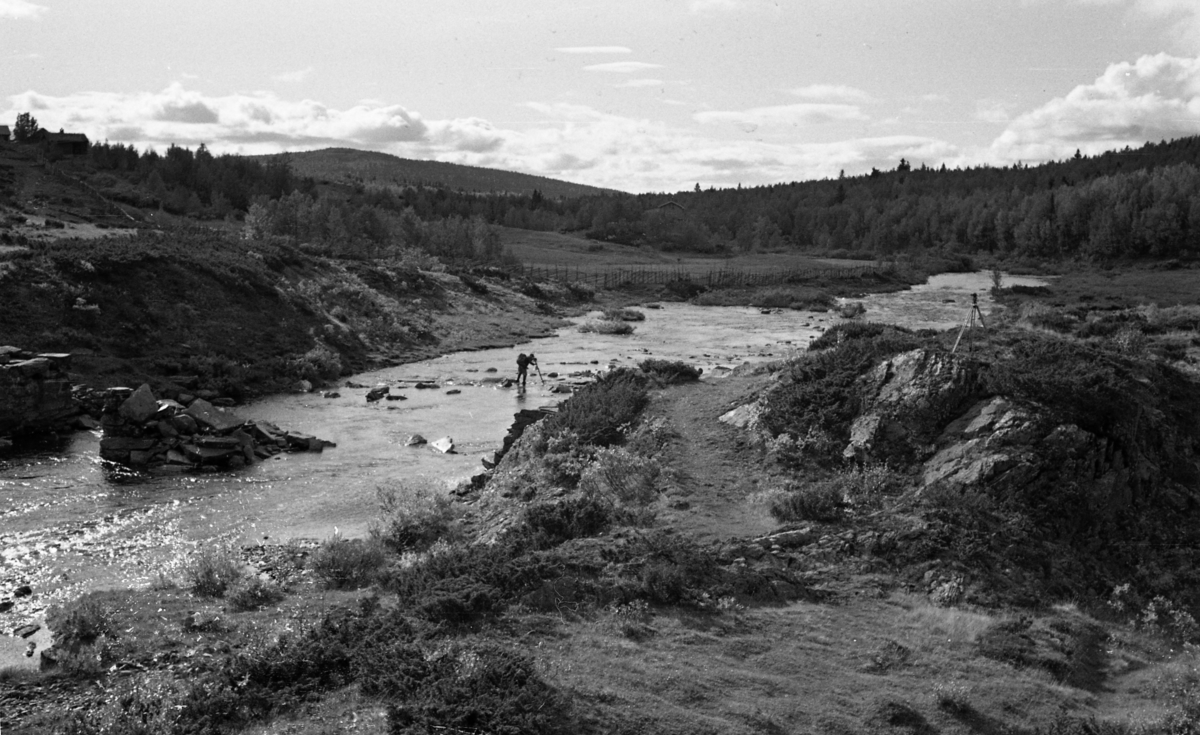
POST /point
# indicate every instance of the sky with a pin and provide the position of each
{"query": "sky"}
(635, 95)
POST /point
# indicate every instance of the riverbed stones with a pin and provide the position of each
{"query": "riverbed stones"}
(174, 439)
(415, 440)
(378, 393)
(445, 445)
(139, 406)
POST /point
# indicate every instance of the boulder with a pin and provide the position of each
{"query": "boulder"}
(377, 393)
(139, 406)
(395, 397)
(453, 392)
(302, 386)
(184, 424)
(427, 386)
(209, 416)
(414, 440)
(445, 445)
(743, 417)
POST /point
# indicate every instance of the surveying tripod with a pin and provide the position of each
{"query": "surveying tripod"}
(972, 316)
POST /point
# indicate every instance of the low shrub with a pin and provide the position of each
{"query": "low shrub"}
(600, 412)
(670, 371)
(413, 517)
(624, 315)
(622, 476)
(606, 326)
(822, 501)
(212, 570)
(252, 593)
(348, 563)
(545, 525)
(472, 687)
(474, 284)
(581, 291)
(80, 622)
(852, 310)
(683, 289)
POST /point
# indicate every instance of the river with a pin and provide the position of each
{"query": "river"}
(69, 522)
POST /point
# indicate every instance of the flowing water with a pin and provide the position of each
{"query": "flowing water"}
(69, 521)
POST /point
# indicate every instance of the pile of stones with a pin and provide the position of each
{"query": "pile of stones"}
(144, 432)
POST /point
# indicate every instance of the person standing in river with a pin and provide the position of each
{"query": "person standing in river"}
(523, 363)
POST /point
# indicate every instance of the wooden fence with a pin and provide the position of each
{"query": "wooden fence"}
(716, 277)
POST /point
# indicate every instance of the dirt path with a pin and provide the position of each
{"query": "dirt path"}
(716, 471)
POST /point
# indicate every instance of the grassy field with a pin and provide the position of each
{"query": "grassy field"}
(1123, 288)
(550, 249)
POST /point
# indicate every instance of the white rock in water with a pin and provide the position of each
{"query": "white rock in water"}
(445, 445)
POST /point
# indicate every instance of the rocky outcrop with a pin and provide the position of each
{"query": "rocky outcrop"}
(35, 392)
(165, 435)
(905, 401)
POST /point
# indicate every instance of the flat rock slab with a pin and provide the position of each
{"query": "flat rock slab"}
(209, 415)
(445, 445)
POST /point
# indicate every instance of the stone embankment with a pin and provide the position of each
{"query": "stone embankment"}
(166, 435)
(35, 393)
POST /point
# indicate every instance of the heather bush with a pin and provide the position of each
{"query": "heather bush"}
(348, 563)
(80, 622)
(252, 593)
(624, 315)
(607, 326)
(820, 501)
(212, 570)
(600, 413)
(624, 477)
(414, 516)
(669, 371)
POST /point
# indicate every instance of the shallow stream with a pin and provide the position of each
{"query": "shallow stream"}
(69, 522)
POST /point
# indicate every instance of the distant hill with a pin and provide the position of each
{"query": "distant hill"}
(371, 167)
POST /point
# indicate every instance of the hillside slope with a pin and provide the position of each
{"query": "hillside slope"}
(372, 167)
(242, 318)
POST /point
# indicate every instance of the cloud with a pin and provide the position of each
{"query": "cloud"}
(1184, 15)
(832, 93)
(992, 111)
(574, 142)
(19, 9)
(622, 67)
(594, 50)
(804, 113)
(251, 123)
(1156, 97)
(294, 77)
(640, 83)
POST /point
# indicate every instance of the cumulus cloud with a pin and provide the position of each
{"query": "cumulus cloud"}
(832, 93)
(251, 123)
(622, 67)
(574, 142)
(992, 111)
(804, 113)
(19, 9)
(1156, 97)
(594, 50)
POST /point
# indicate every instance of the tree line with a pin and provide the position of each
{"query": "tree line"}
(1129, 203)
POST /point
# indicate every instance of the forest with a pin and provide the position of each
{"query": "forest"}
(1142, 203)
